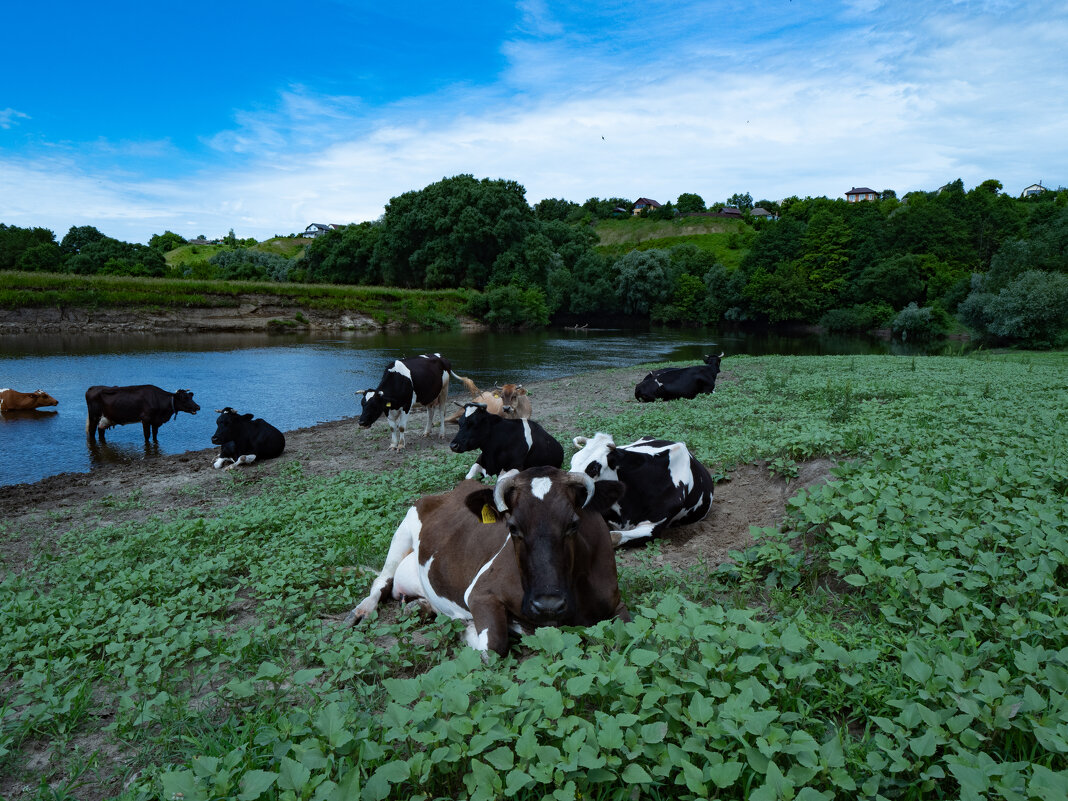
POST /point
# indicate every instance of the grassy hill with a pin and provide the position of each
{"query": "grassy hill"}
(188, 254)
(727, 239)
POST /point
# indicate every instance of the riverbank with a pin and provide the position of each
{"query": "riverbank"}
(186, 483)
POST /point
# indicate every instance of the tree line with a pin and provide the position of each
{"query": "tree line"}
(914, 264)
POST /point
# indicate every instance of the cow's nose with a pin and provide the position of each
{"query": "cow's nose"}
(454, 447)
(548, 605)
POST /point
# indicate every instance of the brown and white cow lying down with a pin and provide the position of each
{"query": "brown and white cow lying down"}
(12, 400)
(510, 402)
(532, 551)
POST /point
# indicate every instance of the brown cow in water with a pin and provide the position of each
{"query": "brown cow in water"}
(14, 401)
(532, 551)
(145, 403)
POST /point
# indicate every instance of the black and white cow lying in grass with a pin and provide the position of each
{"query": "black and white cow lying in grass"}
(666, 485)
(244, 440)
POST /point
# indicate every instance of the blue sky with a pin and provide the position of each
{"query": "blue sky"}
(264, 117)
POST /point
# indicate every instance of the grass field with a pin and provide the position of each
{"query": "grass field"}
(188, 254)
(903, 634)
(66, 290)
(725, 239)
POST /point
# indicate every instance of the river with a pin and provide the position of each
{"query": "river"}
(298, 380)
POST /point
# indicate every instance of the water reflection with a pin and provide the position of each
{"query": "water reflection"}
(16, 415)
(115, 453)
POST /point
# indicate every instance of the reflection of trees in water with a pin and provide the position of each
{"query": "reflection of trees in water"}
(107, 453)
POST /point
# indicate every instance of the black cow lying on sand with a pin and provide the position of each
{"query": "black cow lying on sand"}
(244, 440)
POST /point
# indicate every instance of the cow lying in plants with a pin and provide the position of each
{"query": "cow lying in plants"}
(531, 551)
(666, 485)
(244, 440)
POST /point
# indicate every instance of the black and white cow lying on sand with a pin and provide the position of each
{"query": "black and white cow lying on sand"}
(406, 382)
(532, 551)
(666, 485)
(506, 444)
(672, 383)
(244, 440)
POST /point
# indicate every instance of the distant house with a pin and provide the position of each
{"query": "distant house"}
(730, 211)
(318, 229)
(759, 211)
(859, 193)
(1033, 189)
(644, 204)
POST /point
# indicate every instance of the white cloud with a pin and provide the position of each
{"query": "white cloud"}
(9, 117)
(901, 99)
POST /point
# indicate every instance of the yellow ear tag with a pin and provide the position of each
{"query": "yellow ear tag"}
(389, 405)
(488, 514)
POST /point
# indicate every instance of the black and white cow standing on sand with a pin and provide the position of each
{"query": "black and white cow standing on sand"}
(406, 382)
(506, 444)
(665, 484)
(244, 440)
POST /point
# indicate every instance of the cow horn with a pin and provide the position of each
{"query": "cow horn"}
(583, 480)
(504, 483)
(497, 386)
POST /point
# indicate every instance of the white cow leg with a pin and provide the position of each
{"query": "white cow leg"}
(476, 471)
(405, 542)
(641, 531)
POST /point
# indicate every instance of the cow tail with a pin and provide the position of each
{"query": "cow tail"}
(467, 382)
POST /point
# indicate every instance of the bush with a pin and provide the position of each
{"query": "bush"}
(862, 317)
(919, 323)
(510, 306)
(1032, 309)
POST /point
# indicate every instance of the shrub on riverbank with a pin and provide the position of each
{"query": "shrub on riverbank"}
(901, 635)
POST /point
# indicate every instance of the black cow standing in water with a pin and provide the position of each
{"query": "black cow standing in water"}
(145, 404)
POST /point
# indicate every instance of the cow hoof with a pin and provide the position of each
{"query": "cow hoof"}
(354, 618)
(617, 538)
(418, 606)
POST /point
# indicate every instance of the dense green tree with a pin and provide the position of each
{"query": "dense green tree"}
(166, 241)
(690, 203)
(42, 257)
(740, 201)
(345, 255)
(644, 280)
(451, 233)
(15, 241)
(555, 209)
(603, 209)
(78, 237)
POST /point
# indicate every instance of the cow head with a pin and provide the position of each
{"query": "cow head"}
(42, 398)
(228, 426)
(713, 360)
(474, 427)
(183, 402)
(544, 508)
(648, 390)
(373, 405)
(509, 395)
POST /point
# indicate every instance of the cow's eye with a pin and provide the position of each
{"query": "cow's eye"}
(593, 469)
(513, 529)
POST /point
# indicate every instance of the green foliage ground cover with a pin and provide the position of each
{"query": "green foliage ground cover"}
(903, 635)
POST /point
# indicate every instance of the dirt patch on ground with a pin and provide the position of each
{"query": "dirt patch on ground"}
(121, 492)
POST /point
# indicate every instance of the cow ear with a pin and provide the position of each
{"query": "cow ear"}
(480, 504)
(246, 416)
(613, 457)
(605, 494)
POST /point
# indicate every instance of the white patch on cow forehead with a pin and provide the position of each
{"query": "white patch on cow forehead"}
(595, 450)
(368, 394)
(402, 368)
(470, 410)
(540, 487)
(527, 435)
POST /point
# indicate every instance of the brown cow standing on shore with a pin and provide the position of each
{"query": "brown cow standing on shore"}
(145, 403)
(14, 401)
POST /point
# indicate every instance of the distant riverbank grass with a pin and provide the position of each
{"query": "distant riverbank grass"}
(901, 636)
(22, 289)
